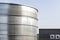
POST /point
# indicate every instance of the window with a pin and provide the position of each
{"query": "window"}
(3, 8)
(57, 36)
(52, 36)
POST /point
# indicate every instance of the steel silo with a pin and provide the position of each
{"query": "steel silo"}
(18, 22)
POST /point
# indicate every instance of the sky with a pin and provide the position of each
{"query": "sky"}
(48, 11)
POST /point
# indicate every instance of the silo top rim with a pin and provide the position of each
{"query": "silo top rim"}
(19, 5)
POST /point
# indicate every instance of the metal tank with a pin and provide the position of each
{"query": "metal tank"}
(18, 22)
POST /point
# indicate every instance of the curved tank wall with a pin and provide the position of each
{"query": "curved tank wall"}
(18, 22)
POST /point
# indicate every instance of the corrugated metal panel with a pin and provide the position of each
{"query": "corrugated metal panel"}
(17, 22)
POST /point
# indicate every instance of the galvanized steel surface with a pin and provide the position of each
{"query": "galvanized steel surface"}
(22, 30)
(22, 38)
(17, 22)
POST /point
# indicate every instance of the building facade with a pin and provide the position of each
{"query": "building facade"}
(18, 22)
(49, 34)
